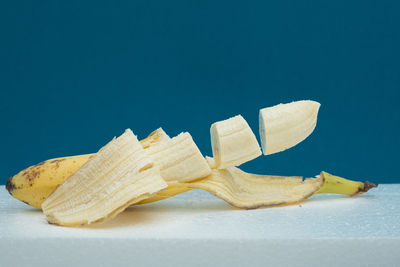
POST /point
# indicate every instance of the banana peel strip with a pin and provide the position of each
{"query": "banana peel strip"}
(245, 190)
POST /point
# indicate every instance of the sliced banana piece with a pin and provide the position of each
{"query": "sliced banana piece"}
(179, 159)
(285, 125)
(250, 191)
(233, 142)
(119, 175)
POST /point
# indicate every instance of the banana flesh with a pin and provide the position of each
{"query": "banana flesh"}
(179, 159)
(117, 176)
(285, 125)
(233, 142)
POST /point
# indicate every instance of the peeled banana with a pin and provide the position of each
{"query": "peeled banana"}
(120, 174)
(230, 184)
(91, 188)
(233, 142)
(285, 125)
(34, 184)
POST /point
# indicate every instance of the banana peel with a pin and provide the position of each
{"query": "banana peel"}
(34, 184)
(240, 189)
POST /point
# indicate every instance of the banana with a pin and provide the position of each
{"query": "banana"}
(285, 125)
(229, 180)
(233, 142)
(117, 176)
(127, 172)
(179, 159)
(34, 184)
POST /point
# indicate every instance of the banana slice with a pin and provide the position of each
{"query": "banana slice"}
(233, 142)
(250, 191)
(285, 125)
(179, 159)
(117, 176)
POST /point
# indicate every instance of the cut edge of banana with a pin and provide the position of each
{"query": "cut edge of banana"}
(285, 125)
(233, 142)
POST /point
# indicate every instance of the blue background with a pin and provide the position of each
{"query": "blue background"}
(73, 74)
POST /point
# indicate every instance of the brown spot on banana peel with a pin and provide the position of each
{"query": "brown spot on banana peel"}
(33, 174)
(41, 163)
(55, 161)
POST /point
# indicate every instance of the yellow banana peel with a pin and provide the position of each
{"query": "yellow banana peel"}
(34, 184)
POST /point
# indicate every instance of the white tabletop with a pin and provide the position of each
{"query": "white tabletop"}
(197, 229)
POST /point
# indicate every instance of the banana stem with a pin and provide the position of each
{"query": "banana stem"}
(338, 185)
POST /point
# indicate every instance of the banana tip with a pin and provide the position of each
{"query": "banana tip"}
(10, 186)
(367, 186)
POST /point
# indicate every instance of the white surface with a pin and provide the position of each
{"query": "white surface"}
(198, 229)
